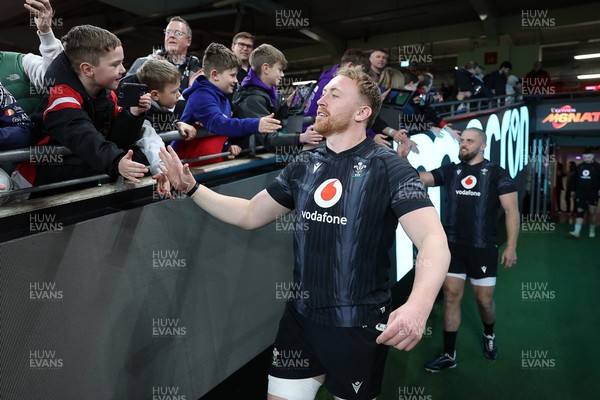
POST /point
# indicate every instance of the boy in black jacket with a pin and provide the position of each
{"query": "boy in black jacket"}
(257, 97)
(81, 113)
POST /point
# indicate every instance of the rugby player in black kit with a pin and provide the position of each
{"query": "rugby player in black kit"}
(587, 192)
(475, 189)
(349, 197)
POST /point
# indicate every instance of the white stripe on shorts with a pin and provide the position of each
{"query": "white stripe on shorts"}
(459, 276)
(489, 281)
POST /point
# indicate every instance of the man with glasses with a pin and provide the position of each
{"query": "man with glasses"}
(178, 38)
(242, 45)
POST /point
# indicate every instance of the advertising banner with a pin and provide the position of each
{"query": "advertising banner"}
(568, 116)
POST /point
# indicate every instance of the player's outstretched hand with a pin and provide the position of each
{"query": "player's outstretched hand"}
(163, 186)
(179, 175)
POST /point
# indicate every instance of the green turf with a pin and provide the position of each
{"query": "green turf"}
(556, 337)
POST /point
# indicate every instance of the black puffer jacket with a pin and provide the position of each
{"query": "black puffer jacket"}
(252, 102)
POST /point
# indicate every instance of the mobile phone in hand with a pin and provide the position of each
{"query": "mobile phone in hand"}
(129, 94)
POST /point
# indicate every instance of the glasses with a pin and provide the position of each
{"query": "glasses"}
(176, 33)
(242, 45)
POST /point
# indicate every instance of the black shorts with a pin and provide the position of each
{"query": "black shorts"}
(479, 264)
(585, 199)
(351, 359)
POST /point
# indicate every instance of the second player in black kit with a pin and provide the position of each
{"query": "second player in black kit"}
(470, 215)
(587, 191)
(475, 190)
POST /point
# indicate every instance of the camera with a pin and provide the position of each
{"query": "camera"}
(129, 94)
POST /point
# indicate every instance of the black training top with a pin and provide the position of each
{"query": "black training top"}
(587, 179)
(347, 208)
(472, 201)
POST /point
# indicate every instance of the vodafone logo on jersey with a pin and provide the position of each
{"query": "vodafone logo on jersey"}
(328, 193)
(469, 182)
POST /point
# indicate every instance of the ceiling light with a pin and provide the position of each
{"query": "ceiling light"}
(589, 76)
(586, 56)
(302, 83)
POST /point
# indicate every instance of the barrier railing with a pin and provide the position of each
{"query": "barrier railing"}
(453, 108)
(457, 108)
(20, 155)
